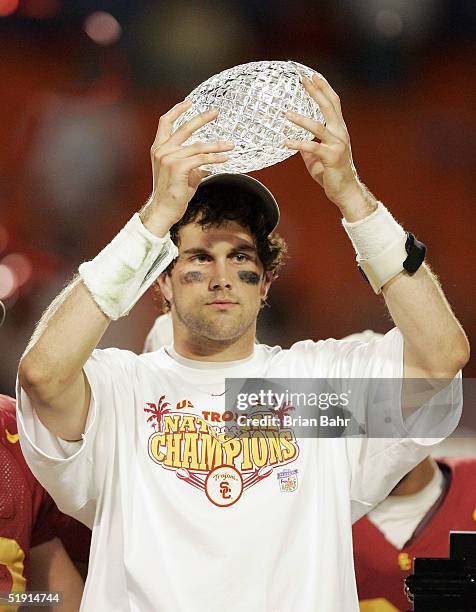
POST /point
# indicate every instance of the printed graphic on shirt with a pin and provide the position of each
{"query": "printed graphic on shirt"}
(288, 481)
(211, 452)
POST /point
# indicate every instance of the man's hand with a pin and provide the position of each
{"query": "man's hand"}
(329, 159)
(176, 168)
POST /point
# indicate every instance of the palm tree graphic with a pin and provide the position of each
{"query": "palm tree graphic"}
(157, 411)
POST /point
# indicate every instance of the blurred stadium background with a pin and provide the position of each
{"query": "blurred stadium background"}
(83, 84)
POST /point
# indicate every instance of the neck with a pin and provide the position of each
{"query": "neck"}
(416, 480)
(194, 346)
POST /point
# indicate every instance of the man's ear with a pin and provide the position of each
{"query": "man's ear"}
(165, 286)
(266, 284)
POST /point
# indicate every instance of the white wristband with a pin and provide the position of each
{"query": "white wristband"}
(123, 271)
(379, 242)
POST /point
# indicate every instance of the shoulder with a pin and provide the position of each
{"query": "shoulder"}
(110, 366)
(364, 341)
(353, 349)
(114, 354)
(331, 357)
(298, 348)
(112, 359)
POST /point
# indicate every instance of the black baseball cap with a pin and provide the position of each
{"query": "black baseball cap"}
(263, 195)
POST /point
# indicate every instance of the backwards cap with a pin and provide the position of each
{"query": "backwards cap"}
(264, 198)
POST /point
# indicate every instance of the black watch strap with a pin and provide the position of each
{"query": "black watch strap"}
(415, 255)
(416, 252)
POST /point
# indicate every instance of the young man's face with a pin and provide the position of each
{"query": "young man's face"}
(217, 283)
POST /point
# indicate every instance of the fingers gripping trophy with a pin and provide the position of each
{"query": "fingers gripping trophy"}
(247, 118)
(252, 100)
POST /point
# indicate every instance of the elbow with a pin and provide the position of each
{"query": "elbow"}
(457, 357)
(28, 375)
(463, 354)
(445, 360)
(35, 378)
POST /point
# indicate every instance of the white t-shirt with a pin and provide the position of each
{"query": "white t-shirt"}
(183, 522)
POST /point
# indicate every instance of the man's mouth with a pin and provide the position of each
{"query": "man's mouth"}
(222, 303)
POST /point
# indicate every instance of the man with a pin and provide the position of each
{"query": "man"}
(414, 521)
(32, 555)
(184, 516)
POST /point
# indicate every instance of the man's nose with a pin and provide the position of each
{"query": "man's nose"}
(221, 276)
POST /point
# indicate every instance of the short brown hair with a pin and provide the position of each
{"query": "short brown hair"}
(216, 204)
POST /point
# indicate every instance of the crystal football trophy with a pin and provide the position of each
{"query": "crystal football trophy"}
(251, 99)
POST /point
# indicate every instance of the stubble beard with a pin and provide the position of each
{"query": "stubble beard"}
(216, 326)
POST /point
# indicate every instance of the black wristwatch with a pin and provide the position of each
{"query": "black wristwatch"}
(416, 252)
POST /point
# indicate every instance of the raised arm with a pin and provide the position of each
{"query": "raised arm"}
(435, 343)
(51, 369)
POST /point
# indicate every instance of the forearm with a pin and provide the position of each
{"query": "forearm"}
(435, 343)
(63, 340)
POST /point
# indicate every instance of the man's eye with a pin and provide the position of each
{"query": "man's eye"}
(241, 258)
(201, 258)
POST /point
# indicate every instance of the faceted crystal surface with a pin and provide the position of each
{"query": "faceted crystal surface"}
(251, 99)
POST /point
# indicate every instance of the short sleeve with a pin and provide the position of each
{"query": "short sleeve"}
(74, 472)
(380, 357)
(386, 448)
(378, 463)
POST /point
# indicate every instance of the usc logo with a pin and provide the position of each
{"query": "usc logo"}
(225, 490)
